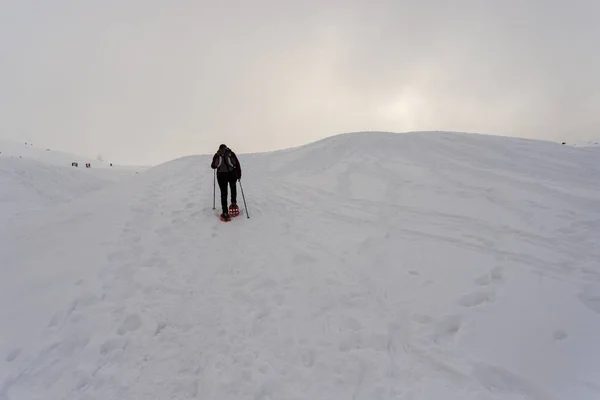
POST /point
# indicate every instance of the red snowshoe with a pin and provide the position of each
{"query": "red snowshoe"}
(225, 218)
(234, 210)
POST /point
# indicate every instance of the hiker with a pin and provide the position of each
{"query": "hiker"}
(228, 168)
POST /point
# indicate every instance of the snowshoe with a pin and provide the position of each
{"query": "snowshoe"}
(225, 217)
(234, 210)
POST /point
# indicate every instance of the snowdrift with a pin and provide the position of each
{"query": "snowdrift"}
(373, 266)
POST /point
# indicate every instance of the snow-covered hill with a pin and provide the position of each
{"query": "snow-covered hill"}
(32, 178)
(30, 151)
(373, 266)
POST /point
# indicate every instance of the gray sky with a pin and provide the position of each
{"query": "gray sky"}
(145, 81)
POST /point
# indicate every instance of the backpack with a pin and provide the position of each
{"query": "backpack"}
(228, 158)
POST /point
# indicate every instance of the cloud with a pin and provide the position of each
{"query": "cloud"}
(147, 81)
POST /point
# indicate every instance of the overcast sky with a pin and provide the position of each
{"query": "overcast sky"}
(145, 81)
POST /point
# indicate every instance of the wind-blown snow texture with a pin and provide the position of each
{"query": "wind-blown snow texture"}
(374, 266)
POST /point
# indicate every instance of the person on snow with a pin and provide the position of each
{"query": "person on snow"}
(228, 168)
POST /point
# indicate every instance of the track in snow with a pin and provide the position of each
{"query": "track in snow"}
(373, 267)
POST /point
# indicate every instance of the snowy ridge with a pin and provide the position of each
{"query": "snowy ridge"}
(30, 151)
(374, 266)
(32, 178)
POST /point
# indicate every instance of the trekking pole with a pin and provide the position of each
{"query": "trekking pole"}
(214, 187)
(241, 187)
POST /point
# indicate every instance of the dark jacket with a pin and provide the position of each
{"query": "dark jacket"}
(227, 162)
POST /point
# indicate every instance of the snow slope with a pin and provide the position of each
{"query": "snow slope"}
(373, 266)
(30, 151)
(32, 178)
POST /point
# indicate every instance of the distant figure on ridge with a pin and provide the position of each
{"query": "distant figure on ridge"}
(228, 170)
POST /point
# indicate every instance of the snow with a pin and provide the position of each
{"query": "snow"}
(34, 178)
(31, 151)
(427, 265)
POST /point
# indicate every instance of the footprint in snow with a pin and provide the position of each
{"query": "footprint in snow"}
(476, 298)
(68, 344)
(132, 322)
(73, 313)
(495, 276)
(113, 344)
(353, 324)
(308, 357)
(446, 329)
(279, 298)
(483, 280)
(12, 355)
(560, 335)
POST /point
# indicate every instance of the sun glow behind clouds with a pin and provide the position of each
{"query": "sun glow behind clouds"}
(407, 110)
